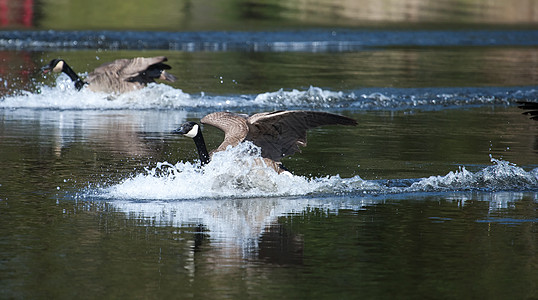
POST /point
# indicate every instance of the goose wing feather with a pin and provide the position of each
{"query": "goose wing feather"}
(127, 68)
(280, 133)
(124, 75)
(234, 126)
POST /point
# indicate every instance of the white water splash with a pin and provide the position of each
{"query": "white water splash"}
(236, 173)
(502, 175)
(161, 96)
(231, 173)
(313, 97)
(235, 199)
(237, 205)
(64, 96)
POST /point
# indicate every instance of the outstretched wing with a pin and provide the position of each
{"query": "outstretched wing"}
(530, 107)
(234, 126)
(137, 69)
(280, 133)
(129, 67)
(124, 75)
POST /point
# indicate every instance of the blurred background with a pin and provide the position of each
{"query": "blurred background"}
(190, 15)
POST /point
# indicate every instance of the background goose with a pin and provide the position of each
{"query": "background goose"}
(278, 133)
(530, 107)
(119, 76)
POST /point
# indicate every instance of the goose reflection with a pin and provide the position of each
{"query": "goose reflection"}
(237, 228)
(118, 132)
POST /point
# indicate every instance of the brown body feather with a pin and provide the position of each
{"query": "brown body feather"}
(278, 134)
(124, 75)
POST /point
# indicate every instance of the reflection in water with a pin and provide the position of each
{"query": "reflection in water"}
(91, 145)
(235, 226)
(249, 227)
(238, 229)
(118, 132)
(259, 248)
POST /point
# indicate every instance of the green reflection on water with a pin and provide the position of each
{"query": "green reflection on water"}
(406, 248)
(395, 249)
(60, 244)
(252, 73)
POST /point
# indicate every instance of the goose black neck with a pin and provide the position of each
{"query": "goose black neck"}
(202, 149)
(78, 82)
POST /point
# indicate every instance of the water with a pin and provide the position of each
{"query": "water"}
(312, 40)
(432, 195)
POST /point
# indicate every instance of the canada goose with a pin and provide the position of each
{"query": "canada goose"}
(119, 76)
(278, 133)
(530, 107)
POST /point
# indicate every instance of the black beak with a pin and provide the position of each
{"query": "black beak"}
(180, 130)
(185, 128)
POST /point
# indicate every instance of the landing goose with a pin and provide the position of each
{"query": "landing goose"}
(119, 76)
(278, 133)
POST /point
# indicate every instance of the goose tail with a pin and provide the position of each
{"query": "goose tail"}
(167, 76)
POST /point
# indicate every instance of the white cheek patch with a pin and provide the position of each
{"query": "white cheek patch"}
(193, 132)
(59, 66)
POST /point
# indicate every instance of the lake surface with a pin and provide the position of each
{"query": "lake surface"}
(434, 194)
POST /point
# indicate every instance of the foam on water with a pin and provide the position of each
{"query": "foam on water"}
(389, 98)
(232, 173)
(236, 199)
(502, 175)
(64, 96)
(236, 173)
(161, 96)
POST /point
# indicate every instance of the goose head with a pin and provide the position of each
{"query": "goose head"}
(189, 129)
(192, 130)
(56, 65)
